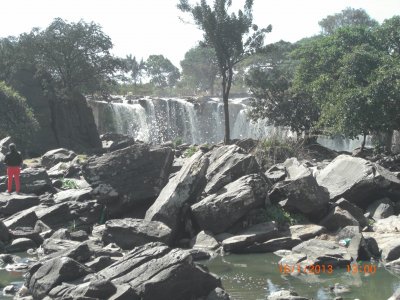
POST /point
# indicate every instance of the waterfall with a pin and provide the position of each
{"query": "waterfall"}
(157, 120)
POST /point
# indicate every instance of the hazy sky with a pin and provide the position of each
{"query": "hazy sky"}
(145, 27)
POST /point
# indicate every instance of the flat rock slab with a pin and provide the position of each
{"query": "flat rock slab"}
(306, 231)
(204, 241)
(272, 245)
(157, 272)
(322, 252)
(11, 204)
(257, 233)
(73, 195)
(388, 225)
(129, 233)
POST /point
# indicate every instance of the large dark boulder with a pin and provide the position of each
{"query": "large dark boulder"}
(157, 272)
(137, 173)
(129, 233)
(11, 204)
(218, 212)
(54, 272)
(228, 163)
(183, 188)
(358, 180)
(33, 181)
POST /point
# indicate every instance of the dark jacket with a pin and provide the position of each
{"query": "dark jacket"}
(13, 159)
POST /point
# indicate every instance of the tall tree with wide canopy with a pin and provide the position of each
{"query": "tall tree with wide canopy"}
(233, 37)
(347, 17)
(161, 71)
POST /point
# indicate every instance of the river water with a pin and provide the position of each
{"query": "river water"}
(255, 276)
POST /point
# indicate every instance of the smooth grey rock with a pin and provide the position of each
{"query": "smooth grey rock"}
(276, 173)
(285, 295)
(23, 218)
(99, 263)
(306, 231)
(137, 173)
(204, 240)
(295, 169)
(357, 180)
(389, 225)
(129, 233)
(73, 195)
(79, 252)
(26, 232)
(53, 157)
(183, 188)
(218, 212)
(381, 209)
(58, 214)
(53, 273)
(11, 204)
(256, 233)
(228, 163)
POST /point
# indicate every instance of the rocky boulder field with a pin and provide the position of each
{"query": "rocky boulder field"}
(131, 221)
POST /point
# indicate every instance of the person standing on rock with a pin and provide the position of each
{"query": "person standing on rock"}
(13, 160)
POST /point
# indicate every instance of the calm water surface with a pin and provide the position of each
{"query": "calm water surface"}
(255, 276)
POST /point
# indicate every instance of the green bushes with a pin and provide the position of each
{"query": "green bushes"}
(282, 217)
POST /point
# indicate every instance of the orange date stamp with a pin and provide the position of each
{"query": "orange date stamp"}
(355, 268)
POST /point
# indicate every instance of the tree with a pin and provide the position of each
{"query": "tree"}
(353, 79)
(76, 55)
(347, 17)
(233, 37)
(17, 119)
(199, 69)
(135, 68)
(273, 98)
(161, 71)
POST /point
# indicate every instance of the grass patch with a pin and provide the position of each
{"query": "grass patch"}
(282, 217)
(190, 151)
(68, 184)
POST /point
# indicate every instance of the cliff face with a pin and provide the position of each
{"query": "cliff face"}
(66, 122)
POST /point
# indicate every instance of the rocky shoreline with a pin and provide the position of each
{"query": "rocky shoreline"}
(130, 222)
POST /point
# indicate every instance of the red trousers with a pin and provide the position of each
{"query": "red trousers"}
(13, 172)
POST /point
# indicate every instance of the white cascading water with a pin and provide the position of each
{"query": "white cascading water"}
(157, 120)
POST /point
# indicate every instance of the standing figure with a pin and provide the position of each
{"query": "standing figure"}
(13, 161)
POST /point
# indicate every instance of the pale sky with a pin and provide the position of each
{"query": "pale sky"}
(145, 27)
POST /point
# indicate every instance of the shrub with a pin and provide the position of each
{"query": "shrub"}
(282, 217)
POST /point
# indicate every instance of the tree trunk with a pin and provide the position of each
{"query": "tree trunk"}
(363, 142)
(225, 97)
(388, 141)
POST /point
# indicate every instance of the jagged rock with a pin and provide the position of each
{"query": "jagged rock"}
(295, 169)
(388, 243)
(355, 211)
(381, 209)
(306, 231)
(276, 173)
(183, 188)
(204, 241)
(77, 251)
(99, 263)
(323, 252)
(53, 157)
(53, 273)
(136, 173)
(124, 292)
(101, 289)
(116, 141)
(58, 214)
(357, 180)
(20, 245)
(61, 234)
(23, 218)
(128, 233)
(257, 233)
(88, 212)
(79, 235)
(220, 211)
(272, 245)
(338, 218)
(26, 232)
(301, 194)
(228, 163)
(157, 272)
(11, 204)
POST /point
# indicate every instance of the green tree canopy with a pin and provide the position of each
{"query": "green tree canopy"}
(161, 71)
(134, 68)
(199, 69)
(347, 17)
(17, 119)
(233, 37)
